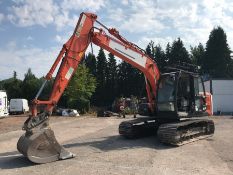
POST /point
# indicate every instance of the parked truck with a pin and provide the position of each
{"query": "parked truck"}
(3, 104)
(18, 106)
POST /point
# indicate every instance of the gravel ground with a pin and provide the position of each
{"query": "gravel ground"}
(100, 150)
(15, 122)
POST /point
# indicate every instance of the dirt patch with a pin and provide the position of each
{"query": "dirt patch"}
(15, 122)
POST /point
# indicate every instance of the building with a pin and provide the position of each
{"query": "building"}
(222, 95)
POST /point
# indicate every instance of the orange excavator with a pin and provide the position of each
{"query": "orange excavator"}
(176, 98)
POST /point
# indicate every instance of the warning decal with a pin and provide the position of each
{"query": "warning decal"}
(69, 73)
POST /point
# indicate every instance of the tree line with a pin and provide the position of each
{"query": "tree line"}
(100, 79)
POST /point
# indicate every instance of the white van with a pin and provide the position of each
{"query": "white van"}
(3, 104)
(18, 106)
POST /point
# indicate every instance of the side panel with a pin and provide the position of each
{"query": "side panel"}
(25, 105)
(222, 96)
(16, 105)
(223, 103)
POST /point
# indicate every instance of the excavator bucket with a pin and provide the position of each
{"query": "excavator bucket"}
(41, 146)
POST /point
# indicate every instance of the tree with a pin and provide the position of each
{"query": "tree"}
(101, 68)
(13, 86)
(130, 81)
(80, 89)
(111, 82)
(160, 57)
(168, 52)
(197, 54)
(178, 53)
(122, 79)
(27, 88)
(157, 54)
(149, 49)
(100, 97)
(30, 85)
(217, 56)
(230, 69)
(47, 89)
(14, 75)
(90, 62)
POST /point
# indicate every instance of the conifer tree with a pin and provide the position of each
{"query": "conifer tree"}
(217, 56)
(100, 97)
(178, 53)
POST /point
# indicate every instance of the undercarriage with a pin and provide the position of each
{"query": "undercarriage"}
(174, 133)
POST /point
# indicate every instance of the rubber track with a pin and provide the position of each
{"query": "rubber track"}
(184, 132)
(138, 128)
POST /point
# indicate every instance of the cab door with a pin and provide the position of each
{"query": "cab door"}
(166, 99)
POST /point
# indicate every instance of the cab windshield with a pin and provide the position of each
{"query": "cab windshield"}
(166, 93)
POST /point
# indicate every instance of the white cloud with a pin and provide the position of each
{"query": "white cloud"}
(11, 45)
(30, 38)
(90, 5)
(159, 20)
(139, 23)
(190, 20)
(62, 20)
(116, 14)
(28, 13)
(145, 17)
(58, 38)
(144, 41)
(1, 17)
(193, 20)
(140, 17)
(37, 59)
(125, 2)
(62, 39)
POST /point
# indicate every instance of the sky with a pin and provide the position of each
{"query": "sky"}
(32, 32)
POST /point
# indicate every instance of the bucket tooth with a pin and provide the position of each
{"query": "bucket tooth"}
(41, 146)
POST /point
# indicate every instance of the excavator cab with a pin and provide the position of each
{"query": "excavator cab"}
(181, 94)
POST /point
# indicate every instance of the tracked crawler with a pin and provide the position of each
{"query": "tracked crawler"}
(170, 96)
(181, 101)
(175, 133)
(185, 131)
